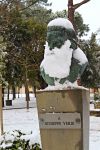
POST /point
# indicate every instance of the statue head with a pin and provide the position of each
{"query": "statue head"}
(60, 30)
(63, 61)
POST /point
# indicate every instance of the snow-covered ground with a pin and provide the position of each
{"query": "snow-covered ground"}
(27, 121)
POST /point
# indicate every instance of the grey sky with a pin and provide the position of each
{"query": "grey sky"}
(89, 11)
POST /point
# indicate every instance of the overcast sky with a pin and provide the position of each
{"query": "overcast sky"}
(89, 11)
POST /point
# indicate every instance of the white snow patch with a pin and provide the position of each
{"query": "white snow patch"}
(5, 145)
(56, 62)
(79, 55)
(23, 120)
(61, 22)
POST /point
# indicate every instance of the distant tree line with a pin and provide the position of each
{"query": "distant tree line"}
(23, 26)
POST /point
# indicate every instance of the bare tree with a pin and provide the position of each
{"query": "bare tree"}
(72, 7)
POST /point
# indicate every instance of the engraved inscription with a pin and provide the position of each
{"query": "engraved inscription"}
(60, 121)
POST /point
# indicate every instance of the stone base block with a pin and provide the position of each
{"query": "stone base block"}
(56, 108)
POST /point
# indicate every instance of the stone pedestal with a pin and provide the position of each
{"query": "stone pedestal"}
(1, 115)
(64, 119)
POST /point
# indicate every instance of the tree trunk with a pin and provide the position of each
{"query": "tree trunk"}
(2, 97)
(14, 92)
(34, 90)
(1, 112)
(71, 11)
(72, 8)
(8, 93)
(26, 89)
(18, 91)
(27, 95)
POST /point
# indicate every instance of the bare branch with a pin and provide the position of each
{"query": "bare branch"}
(79, 4)
(36, 1)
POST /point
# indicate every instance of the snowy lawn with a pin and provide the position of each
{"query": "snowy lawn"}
(21, 119)
(27, 122)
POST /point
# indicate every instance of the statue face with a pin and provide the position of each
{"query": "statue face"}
(56, 37)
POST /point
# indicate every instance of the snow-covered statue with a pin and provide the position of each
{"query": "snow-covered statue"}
(63, 61)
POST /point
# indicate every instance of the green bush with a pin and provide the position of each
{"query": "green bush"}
(96, 96)
(17, 141)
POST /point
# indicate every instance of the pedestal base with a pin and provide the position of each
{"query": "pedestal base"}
(60, 132)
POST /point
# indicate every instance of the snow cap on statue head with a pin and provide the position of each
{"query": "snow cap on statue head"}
(62, 22)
